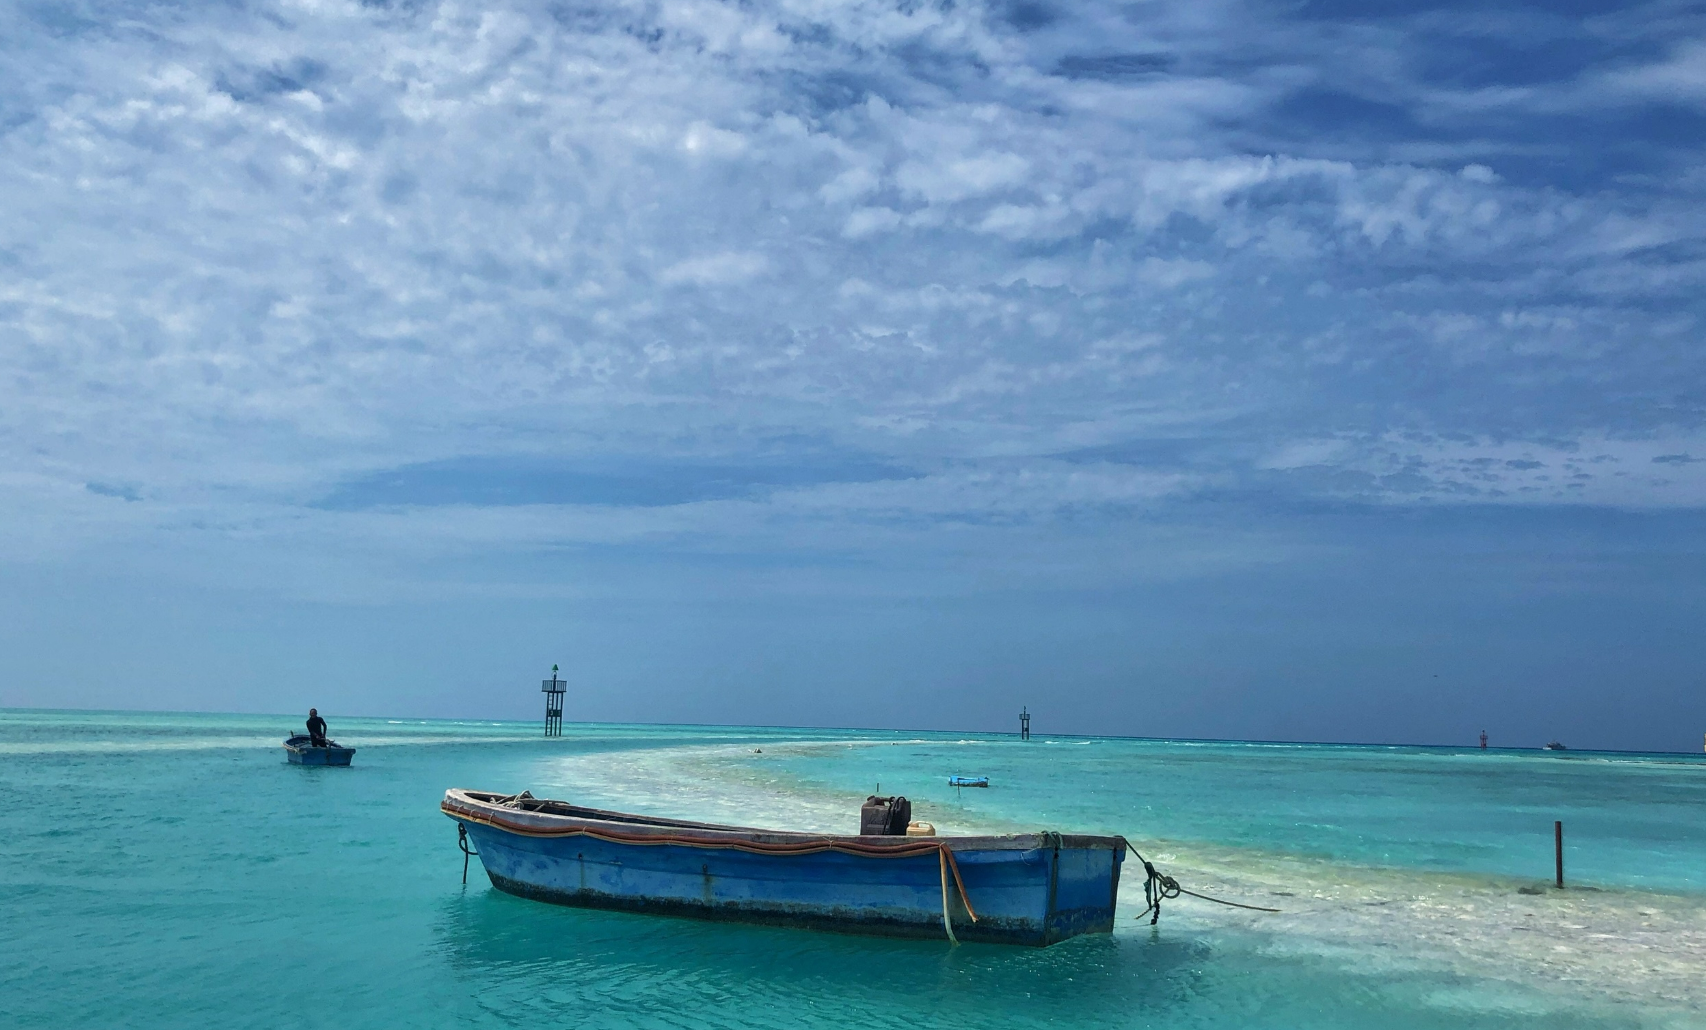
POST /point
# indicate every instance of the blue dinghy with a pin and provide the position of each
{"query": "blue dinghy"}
(303, 752)
(1031, 888)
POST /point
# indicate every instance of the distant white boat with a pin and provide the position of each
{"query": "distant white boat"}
(1555, 746)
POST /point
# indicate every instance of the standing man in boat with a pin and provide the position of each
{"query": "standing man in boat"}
(316, 728)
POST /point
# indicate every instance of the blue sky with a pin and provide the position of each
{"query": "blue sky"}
(1218, 369)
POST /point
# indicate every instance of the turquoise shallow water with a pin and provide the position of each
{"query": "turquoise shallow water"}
(172, 870)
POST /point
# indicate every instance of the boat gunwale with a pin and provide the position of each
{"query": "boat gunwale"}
(623, 827)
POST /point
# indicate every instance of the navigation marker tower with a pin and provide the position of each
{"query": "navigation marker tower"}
(553, 690)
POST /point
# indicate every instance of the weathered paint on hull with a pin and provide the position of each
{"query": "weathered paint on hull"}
(1033, 889)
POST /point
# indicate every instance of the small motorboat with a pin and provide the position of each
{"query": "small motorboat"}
(968, 781)
(1555, 746)
(303, 751)
(1024, 888)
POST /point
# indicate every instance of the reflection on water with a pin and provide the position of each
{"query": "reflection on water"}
(492, 938)
(543, 965)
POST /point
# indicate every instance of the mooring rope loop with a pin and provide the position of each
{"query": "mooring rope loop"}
(1159, 887)
(462, 842)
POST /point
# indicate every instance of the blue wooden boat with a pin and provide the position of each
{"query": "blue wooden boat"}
(1030, 888)
(302, 751)
(968, 781)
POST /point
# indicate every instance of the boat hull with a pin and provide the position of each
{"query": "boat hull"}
(307, 754)
(1029, 889)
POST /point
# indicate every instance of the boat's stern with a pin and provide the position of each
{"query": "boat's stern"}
(1085, 889)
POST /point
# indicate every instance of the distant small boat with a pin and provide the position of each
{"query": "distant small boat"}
(968, 781)
(303, 752)
(1555, 746)
(1028, 888)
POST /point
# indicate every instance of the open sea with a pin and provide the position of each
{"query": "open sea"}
(164, 870)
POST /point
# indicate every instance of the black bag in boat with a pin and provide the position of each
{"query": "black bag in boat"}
(886, 817)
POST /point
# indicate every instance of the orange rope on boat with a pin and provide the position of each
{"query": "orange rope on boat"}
(947, 924)
(908, 849)
(954, 865)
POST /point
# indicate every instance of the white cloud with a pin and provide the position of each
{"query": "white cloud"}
(938, 180)
(849, 185)
(867, 221)
(250, 254)
(708, 140)
(1174, 273)
(716, 269)
(1679, 77)
(1018, 222)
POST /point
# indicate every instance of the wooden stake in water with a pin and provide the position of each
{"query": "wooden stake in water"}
(1558, 842)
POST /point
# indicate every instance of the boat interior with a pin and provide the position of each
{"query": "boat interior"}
(526, 802)
(302, 740)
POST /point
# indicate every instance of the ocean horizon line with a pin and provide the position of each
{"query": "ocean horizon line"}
(1258, 742)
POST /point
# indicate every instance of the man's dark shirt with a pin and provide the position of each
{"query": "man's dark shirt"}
(316, 728)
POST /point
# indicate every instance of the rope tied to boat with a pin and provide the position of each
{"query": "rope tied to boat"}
(462, 842)
(1156, 887)
(1159, 887)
